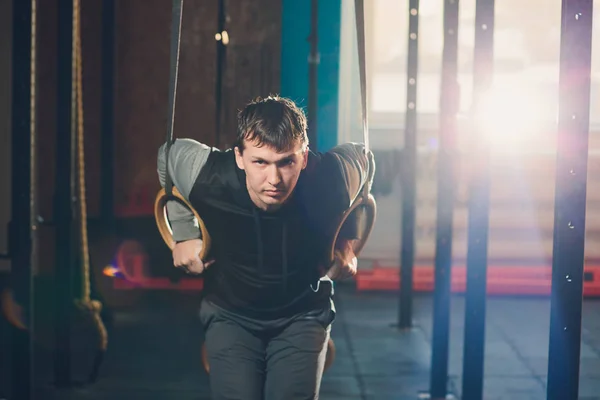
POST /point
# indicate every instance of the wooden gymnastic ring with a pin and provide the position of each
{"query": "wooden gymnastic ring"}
(81, 324)
(329, 358)
(160, 215)
(205, 363)
(11, 310)
(370, 206)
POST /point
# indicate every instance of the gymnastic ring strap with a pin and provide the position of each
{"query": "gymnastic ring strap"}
(170, 192)
(176, 16)
(163, 224)
(365, 202)
(362, 68)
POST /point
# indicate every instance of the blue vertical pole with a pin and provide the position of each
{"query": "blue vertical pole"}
(570, 199)
(479, 195)
(445, 204)
(409, 172)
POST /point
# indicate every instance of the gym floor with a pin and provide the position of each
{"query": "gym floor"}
(154, 351)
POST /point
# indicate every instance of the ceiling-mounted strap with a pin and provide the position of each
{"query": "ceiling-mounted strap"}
(174, 72)
(359, 10)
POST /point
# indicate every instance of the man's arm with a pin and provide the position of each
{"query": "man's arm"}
(186, 159)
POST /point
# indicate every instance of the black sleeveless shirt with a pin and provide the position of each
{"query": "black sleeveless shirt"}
(268, 264)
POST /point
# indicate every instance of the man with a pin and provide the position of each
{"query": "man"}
(271, 208)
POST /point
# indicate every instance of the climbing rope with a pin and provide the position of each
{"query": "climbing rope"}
(85, 302)
(13, 311)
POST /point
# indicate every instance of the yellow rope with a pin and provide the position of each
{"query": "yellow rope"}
(85, 302)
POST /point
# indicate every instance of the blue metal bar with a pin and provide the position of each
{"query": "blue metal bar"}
(409, 171)
(479, 199)
(570, 199)
(445, 204)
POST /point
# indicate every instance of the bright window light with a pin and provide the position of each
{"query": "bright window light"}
(511, 116)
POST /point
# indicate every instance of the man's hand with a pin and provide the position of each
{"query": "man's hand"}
(186, 256)
(345, 263)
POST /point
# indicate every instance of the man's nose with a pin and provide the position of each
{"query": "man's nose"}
(274, 176)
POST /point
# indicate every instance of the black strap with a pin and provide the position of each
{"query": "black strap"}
(359, 10)
(175, 41)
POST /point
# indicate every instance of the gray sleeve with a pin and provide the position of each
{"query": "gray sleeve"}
(186, 159)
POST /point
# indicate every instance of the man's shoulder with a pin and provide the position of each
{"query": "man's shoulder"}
(333, 178)
(333, 160)
(220, 168)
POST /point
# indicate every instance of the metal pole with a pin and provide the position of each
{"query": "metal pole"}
(445, 205)
(478, 227)
(63, 198)
(570, 200)
(409, 186)
(108, 92)
(313, 65)
(21, 235)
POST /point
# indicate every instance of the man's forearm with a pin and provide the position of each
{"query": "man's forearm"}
(186, 159)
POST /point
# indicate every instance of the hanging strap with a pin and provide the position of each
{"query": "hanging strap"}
(359, 10)
(174, 71)
(362, 68)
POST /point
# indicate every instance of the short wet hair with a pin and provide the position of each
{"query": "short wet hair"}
(272, 121)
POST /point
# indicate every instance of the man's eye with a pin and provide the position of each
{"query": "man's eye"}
(286, 163)
(260, 162)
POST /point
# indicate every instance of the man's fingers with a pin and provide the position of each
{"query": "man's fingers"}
(196, 266)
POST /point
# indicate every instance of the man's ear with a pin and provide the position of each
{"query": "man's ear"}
(305, 157)
(238, 157)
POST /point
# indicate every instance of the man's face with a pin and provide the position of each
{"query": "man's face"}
(271, 176)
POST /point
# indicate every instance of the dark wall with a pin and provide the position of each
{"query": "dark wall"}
(143, 79)
(46, 122)
(254, 59)
(142, 84)
(141, 89)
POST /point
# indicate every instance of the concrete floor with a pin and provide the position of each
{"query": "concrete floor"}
(154, 351)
